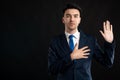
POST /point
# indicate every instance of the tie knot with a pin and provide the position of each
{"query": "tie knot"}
(71, 36)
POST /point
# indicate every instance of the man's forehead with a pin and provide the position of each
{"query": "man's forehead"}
(72, 11)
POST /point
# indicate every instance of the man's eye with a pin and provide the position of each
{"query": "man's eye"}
(76, 16)
(67, 16)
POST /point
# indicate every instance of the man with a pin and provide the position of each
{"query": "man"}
(75, 63)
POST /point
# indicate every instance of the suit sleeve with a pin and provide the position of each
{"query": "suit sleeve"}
(105, 55)
(55, 63)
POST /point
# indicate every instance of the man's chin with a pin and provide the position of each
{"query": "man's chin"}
(72, 28)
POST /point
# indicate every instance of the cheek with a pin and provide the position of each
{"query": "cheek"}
(79, 20)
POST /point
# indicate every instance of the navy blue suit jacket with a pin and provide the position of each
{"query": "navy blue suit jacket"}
(61, 65)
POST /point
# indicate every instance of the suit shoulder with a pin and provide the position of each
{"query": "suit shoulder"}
(90, 36)
(56, 38)
(87, 36)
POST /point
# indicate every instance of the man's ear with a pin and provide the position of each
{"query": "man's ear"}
(63, 19)
(80, 20)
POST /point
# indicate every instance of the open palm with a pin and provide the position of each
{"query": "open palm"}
(107, 32)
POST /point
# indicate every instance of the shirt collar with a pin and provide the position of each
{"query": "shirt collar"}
(76, 34)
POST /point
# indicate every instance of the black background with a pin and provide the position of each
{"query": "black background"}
(27, 27)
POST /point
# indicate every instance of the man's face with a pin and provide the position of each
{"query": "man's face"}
(71, 19)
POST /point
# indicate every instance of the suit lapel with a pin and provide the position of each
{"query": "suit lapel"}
(83, 40)
(64, 44)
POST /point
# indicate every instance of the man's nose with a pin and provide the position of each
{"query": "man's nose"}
(72, 18)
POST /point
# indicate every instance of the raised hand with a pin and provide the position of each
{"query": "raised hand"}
(80, 53)
(107, 32)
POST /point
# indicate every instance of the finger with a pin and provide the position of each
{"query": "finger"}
(86, 54)
(107, 25)
(111, 27)
(104, 26)
(107, 22)
(84, 48)
(76, 46)
(102, 33)
(87, 50)
(85, 57)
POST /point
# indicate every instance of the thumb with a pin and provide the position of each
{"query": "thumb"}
(102, 33)
(76, 46)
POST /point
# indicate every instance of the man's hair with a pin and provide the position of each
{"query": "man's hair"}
(72, 6)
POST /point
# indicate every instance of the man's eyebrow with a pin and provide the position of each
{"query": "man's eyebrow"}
(72, 14)
(67, 14)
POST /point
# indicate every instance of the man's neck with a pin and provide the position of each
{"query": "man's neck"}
(71, 31)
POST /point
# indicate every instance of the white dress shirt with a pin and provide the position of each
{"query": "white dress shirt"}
(75, 38)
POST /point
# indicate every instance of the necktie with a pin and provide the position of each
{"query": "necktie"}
(71, 43)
